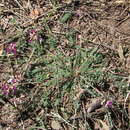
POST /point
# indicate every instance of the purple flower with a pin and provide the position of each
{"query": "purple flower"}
(8, 89)
(29, 41)
(5, 87)
(5, 93)
(11, 48)
(40, 39)
(109, 103)
(11, 80)
(13, 89)
(32, 35)
(78, 13)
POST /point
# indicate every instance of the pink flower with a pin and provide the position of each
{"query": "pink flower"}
(7, 89)
(11, 48)
(32, 35)
(109, 103)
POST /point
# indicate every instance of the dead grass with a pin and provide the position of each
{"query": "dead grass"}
(77, 61)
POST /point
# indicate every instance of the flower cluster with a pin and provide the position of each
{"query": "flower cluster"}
(32, 35)
(6, 89)
(9, 87)
(109, 103)
(11, 48)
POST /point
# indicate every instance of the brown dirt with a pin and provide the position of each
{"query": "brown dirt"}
(101, 22)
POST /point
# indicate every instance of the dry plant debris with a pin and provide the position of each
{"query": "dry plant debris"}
(65, 64)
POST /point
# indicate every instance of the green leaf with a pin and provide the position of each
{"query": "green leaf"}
(65, 17)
